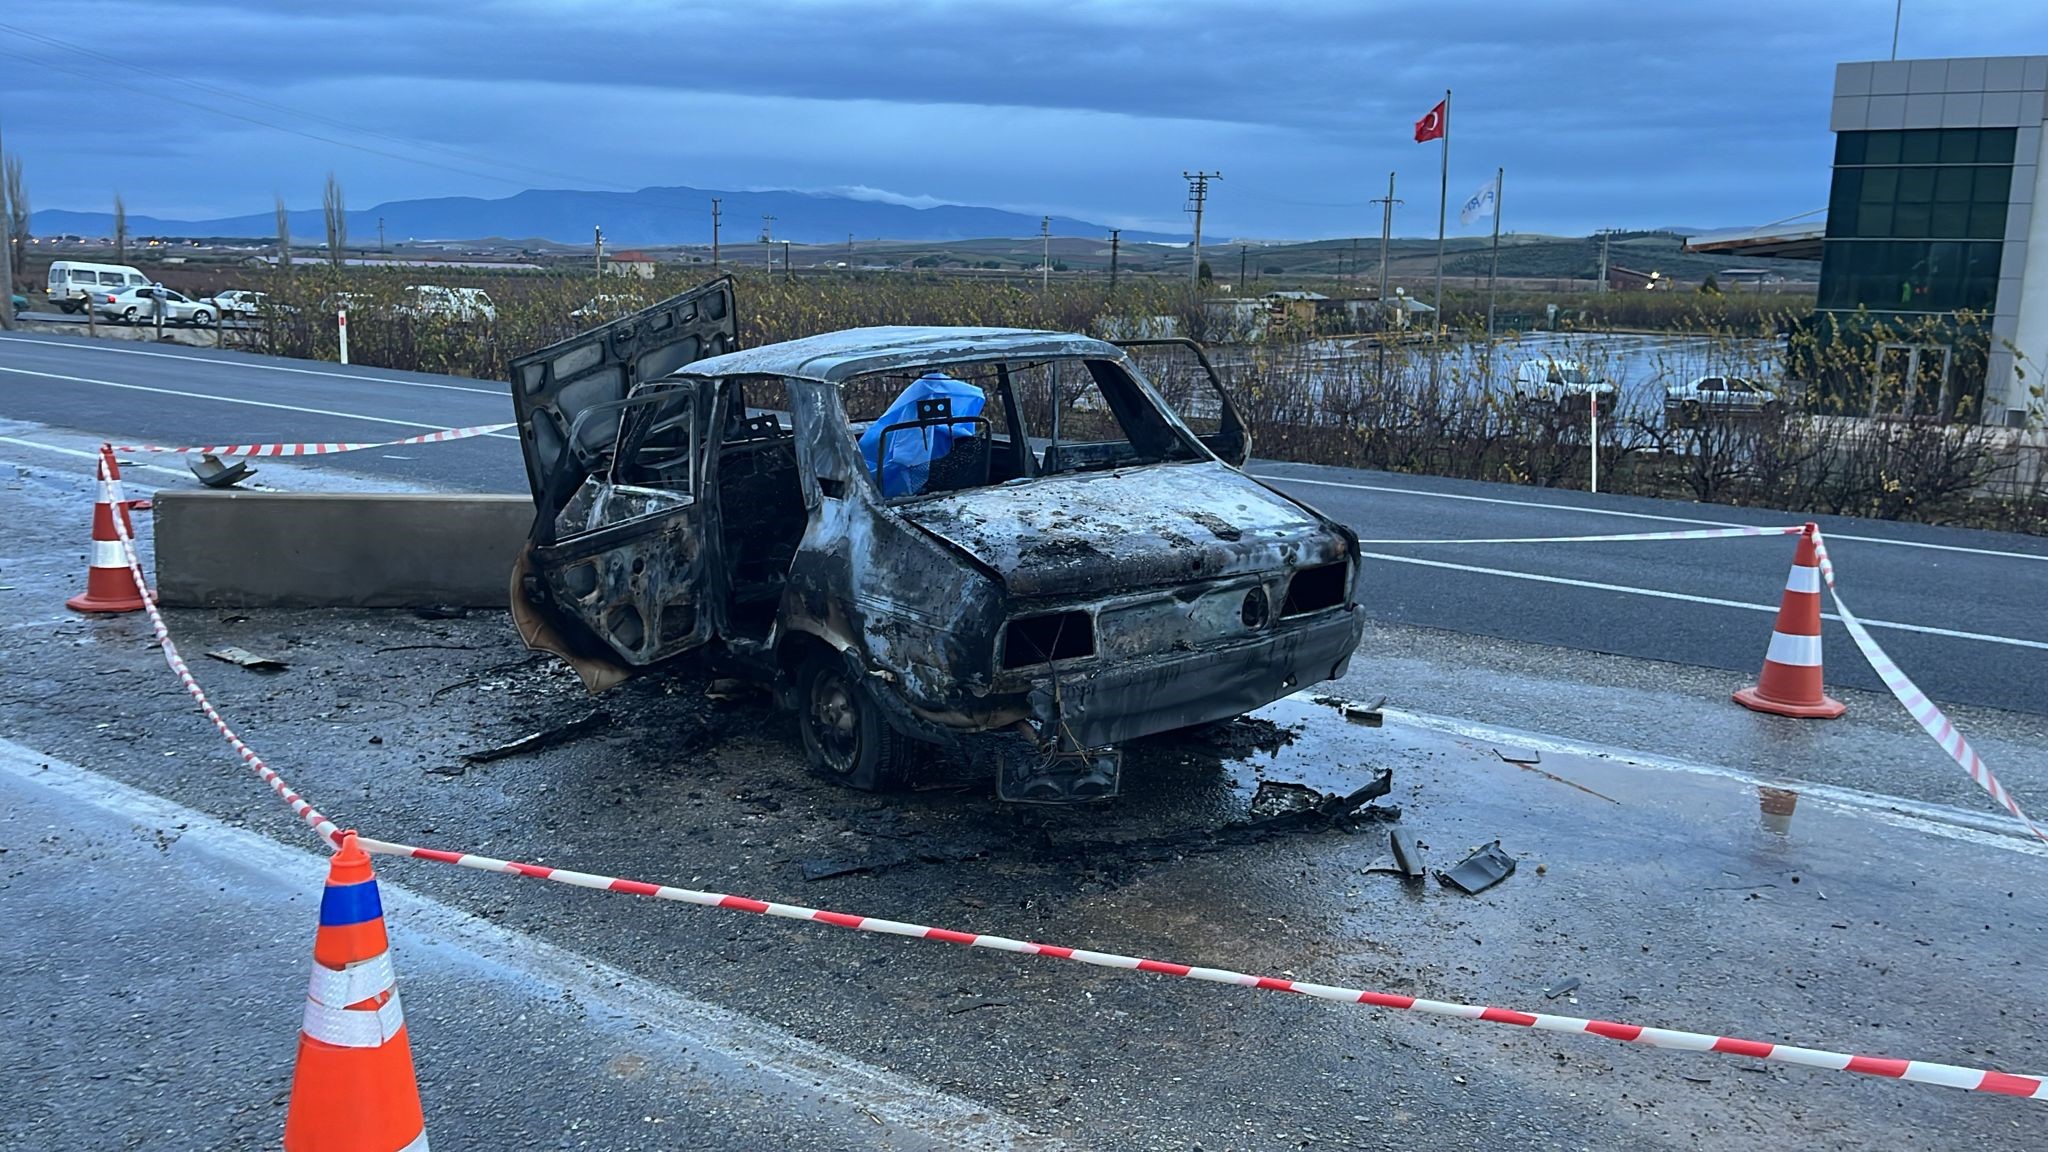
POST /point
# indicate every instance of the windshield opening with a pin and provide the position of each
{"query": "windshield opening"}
(926, 431)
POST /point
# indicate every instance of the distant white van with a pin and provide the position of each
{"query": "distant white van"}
(73, 283)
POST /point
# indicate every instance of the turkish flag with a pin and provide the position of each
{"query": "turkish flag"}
(1432, 126)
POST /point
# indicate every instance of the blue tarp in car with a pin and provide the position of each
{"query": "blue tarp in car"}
(912, 450)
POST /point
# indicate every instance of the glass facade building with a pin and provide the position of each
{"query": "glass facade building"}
(1933, 280)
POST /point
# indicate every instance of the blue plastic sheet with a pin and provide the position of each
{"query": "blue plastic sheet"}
(912, 450)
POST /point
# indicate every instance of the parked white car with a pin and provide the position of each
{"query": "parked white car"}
(138, 306)
(241, 302)
(1559, 381)
(466, 304)
(1720, 394)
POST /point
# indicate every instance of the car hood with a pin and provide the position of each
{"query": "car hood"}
(1107, 532)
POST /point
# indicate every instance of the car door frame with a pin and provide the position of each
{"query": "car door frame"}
(1232, 440)
(650, 563)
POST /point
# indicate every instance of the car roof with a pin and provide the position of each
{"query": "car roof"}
(835, 357)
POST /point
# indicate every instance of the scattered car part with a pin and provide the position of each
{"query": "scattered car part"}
(1561, 987)
(1407, 854)
(545, 738)
(1484, 868)
(1060, 777)
(214, 474)
(1519, 755)
(248, 659)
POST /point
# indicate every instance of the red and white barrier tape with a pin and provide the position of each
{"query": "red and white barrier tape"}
(1678, 534)
(305, 811)
(319, 449)
(1925, 713)
(1916, 1071)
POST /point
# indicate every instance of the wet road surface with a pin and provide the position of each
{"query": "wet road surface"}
(1673, 897)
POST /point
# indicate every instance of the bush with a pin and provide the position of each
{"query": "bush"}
(1358, 404)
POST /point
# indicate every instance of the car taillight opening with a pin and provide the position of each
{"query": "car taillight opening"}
(1033, 640)
(1316, 589)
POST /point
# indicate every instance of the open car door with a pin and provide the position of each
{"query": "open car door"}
(613, 576)
(1179, 370)
(552, 387)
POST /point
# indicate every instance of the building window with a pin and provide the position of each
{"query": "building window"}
(1909, 275)
(1915, 219)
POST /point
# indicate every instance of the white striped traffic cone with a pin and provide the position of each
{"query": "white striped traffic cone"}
(109, 584)
(1791, 681)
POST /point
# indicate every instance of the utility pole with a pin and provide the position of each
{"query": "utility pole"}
(1115, 238)
(1500, 176)
(1604, 232)
(1241, 250)
(381, 247)
(715, 263)
(768, 241)
(1898, 14)
(1198, 196)
(1387, 203)
(1045, 260)
(788, 269)
(7, 266)
(598, 232)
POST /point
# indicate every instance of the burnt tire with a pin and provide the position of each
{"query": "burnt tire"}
(846, 738)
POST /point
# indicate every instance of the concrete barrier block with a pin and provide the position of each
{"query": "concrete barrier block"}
(336, 550)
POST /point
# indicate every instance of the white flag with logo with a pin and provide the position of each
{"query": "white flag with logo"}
(1480, 204)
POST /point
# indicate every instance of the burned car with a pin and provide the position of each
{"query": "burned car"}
(964, 537)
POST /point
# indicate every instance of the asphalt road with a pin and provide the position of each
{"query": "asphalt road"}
(1860, 922)
(1960, 610)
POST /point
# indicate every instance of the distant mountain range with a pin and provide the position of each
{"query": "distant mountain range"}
(650, 216)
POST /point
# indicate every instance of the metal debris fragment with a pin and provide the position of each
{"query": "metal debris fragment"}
(545, 738)
(1484, 868)
(248, 659)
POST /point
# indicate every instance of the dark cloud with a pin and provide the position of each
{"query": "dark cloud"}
(1603, 113)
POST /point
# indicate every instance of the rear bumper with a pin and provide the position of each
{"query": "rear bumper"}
(1110, 705)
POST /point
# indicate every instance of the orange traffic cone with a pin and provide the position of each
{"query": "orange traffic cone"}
(1791, 684)
(109, 584)
(353, 1089)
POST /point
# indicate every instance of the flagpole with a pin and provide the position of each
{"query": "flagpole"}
(1442, 203)
(1499, 174)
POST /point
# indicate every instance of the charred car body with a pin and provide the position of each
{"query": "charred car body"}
(1025, 541)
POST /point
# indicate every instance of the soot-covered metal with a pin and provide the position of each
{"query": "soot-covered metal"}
(1062, 564)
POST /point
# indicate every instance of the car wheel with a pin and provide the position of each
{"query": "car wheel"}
(846, 738)
(128, 316)
(202, 316)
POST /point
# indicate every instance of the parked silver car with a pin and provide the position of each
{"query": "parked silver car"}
(138, 306)
(1722, 395)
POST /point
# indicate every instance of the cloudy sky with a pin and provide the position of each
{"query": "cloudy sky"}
(1617, 113)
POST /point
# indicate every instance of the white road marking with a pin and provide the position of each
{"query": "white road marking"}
(237, 400)
(500, 393)
(1269, 476)
(79, 452)
(1713, 601)
(1987, 829)
(809, 1070)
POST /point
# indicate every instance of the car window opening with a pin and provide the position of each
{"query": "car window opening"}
(981, 425)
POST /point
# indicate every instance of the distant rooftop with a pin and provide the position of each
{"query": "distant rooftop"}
(1795, 238)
